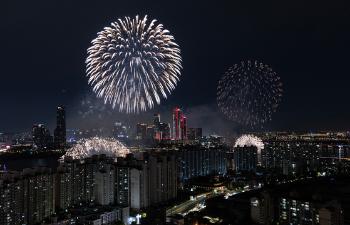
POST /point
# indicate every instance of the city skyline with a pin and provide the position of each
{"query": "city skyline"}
(303, 46)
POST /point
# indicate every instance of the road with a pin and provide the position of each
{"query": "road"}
(188, 205)
(184, 207)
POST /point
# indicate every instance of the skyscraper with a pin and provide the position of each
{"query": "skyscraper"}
(179, 125)
(183, 127)
(60, 131)
(162, 130)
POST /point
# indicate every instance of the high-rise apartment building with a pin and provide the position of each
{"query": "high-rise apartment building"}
(196, 160)
(245, 158)
(105, 182)
(26, 197)
(139, 188)
(162, 176)
(120, 131)
(122, 186)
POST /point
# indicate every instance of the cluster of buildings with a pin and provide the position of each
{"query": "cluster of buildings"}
(36, 195)
(199, 161)
(304, 204)
(156, 131)
(160, 131)
(27, 197)
(145, 133)
(103, 190)
(138, 181)
(295, 157)
(41, 137)
(307, 157)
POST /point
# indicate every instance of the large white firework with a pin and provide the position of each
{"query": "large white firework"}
(86, 148)
(133, 64)
(249, 92)
(250, 140)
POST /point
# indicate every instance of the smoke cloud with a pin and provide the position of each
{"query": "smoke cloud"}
(91, 113)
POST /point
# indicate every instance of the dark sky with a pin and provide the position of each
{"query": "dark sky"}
(307, 42)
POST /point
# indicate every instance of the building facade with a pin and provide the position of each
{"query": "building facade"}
(60, 131)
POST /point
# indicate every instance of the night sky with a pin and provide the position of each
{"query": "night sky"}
(307, 42)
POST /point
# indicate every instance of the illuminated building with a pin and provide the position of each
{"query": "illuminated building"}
(195, 161)
(83, 181)
(11, 200)
(177, 114)
(183, 127)
(162, 130)
(60, 131)
(292, 211)
(147, 181)
(262, 209)
(122, 185)
(39, 194)
(245, 158)
(104, 182)
(132, 183)
(295, 207)
(179, 125)
(63, 191)
(26, 197)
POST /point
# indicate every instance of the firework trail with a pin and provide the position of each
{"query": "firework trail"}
(86, 148)
(249, 93)
(133, 64)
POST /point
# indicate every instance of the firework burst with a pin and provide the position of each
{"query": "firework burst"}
(249, 140)
(249, 93)
(133, 64)
(86, 148)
